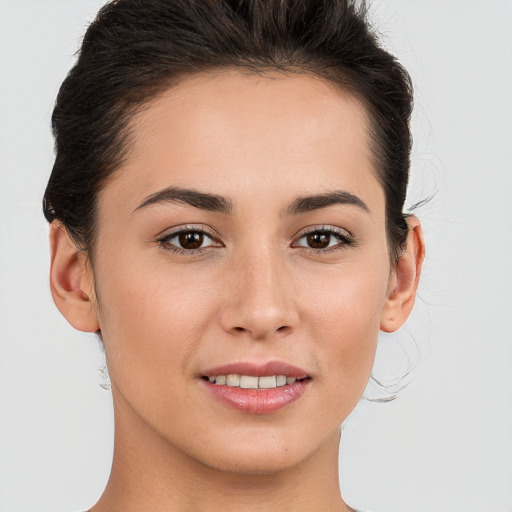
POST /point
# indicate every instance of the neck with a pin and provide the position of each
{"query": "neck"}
(148, 473)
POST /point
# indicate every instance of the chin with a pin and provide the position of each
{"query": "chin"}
(269, 463)
(269, 454)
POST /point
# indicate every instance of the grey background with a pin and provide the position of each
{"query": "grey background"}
(446, 443)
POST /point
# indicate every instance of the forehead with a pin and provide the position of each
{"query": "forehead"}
(232, 132)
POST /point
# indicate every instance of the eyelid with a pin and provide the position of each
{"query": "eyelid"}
(200, 228)
(170, 233)
(346, 238)
(326, 227)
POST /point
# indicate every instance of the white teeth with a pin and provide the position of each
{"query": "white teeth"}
(233, 380)
(248, 382)
(281, 380)
(267, 382)
(251, 382)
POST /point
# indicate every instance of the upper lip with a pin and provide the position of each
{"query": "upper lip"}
(257, 369)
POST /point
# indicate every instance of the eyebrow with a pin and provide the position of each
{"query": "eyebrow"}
(216, 203)
(316, 202)
(201, 200)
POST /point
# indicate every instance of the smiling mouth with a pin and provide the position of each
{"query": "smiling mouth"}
(253, 382)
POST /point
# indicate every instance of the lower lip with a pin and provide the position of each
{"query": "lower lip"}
(258, 401)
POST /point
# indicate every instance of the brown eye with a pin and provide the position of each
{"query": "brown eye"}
(323, 239)
(318, 240)
(191, 239)
(188, 240)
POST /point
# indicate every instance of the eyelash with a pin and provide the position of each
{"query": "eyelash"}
(344, 238)
(165, 240)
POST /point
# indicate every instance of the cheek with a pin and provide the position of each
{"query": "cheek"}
(344, 318)
(151, 321)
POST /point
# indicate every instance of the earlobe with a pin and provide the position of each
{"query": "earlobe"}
(405, 279)
(71, 282)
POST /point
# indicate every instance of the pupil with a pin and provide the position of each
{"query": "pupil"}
(191, 240)
(319, 240)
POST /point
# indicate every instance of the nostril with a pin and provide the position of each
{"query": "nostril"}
(282, 328)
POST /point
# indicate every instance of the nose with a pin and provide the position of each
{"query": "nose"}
(259, 301)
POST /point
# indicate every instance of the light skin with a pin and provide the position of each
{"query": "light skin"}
(235, 159)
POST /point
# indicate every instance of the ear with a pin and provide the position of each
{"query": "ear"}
(71, 280)
(404, 279)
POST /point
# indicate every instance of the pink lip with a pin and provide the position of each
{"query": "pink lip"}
(258, 369)
(257, 401)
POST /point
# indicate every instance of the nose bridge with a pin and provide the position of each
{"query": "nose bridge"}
(260, 304)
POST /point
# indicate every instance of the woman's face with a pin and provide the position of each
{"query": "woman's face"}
(244, 235)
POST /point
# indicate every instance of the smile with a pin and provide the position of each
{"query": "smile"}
(256, 388)
(252, 382)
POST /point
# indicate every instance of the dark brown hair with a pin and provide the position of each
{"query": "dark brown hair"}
(136, 49)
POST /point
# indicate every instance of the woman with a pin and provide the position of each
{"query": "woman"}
(226, 213)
